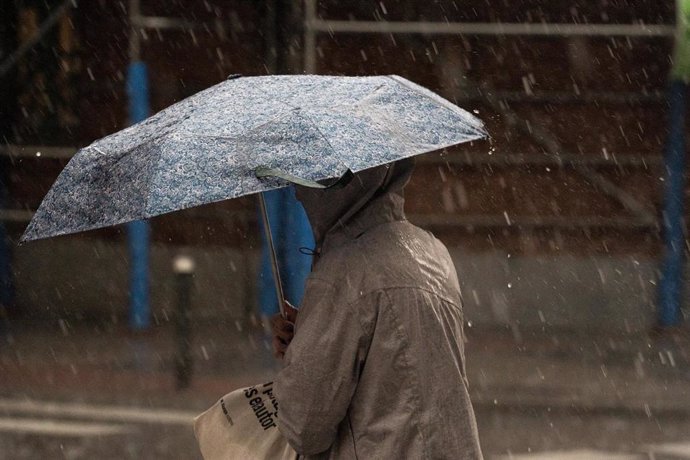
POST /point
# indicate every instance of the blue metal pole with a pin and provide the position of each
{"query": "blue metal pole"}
(291, 231)
(138, 233)
(671, 282)
(268, 299)
(298, 234)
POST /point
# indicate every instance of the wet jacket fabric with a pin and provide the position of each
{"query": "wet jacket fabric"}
(376, 367)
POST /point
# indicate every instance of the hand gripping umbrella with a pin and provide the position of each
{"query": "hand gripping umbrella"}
(248, 135)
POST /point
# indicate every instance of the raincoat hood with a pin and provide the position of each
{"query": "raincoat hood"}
(372, 196)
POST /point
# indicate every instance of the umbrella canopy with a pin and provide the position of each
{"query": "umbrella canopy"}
(209, 146)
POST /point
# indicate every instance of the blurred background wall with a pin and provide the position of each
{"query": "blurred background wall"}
(553, 222)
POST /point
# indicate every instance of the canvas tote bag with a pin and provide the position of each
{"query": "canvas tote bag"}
(242, 425)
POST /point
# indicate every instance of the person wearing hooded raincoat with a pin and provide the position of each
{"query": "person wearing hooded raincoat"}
(375, 368)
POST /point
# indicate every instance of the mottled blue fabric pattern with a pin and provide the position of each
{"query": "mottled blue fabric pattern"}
(206, 147)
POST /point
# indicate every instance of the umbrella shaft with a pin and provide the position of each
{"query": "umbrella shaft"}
(272, 253)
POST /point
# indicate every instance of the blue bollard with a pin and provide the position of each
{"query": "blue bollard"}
(138, 236)
(671, 282)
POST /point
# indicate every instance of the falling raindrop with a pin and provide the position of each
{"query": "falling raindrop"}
(527, 86)
(461, 195)
(671, 359)
(647, 410)
(447, 200)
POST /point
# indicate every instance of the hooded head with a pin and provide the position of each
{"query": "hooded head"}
(372, 196)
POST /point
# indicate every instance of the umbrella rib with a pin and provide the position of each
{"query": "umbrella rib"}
(441, 101)
(323, 136)
(360, 101)
(128, 151)
(241, 135)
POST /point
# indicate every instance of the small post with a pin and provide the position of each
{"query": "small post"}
(183, 266)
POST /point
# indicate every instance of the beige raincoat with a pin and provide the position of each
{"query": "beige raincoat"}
(376, 368)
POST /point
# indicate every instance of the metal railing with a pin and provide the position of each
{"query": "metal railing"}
(313, 25)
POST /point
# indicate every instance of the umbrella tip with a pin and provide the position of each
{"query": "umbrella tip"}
(26, 236)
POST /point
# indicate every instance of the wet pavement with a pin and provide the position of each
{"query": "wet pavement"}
(85, 391)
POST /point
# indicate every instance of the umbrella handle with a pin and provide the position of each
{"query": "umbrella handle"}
(272, 252)
(340, 182)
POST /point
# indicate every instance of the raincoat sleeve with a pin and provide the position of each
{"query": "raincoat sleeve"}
(321, 370)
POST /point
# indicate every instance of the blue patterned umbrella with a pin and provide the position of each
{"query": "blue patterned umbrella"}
(209, 146)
